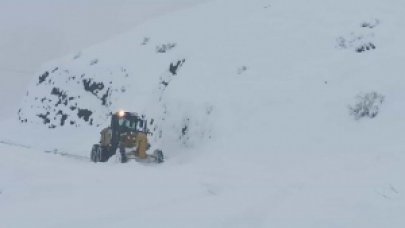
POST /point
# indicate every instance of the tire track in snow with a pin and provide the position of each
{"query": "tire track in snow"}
(54, 151)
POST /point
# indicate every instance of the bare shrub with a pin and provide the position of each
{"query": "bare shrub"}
(367, 105)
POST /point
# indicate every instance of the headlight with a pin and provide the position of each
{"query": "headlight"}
(121, 113)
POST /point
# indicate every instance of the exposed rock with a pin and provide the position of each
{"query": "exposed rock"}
(84, 114)
(43, 77)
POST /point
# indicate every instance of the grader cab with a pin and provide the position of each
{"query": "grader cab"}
(127, 133)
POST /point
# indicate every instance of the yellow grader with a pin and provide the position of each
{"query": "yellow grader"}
(127, 133)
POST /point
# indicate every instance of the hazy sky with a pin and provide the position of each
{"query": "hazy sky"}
(35, 31)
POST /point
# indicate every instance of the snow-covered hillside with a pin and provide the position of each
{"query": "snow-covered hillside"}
(34, 32)
(252, 103)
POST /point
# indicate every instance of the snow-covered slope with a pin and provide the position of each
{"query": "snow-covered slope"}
(34, 32)
(251, 104)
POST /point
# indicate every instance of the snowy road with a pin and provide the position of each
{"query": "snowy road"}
(41, 190)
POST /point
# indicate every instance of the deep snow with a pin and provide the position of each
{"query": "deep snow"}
(263, 93)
